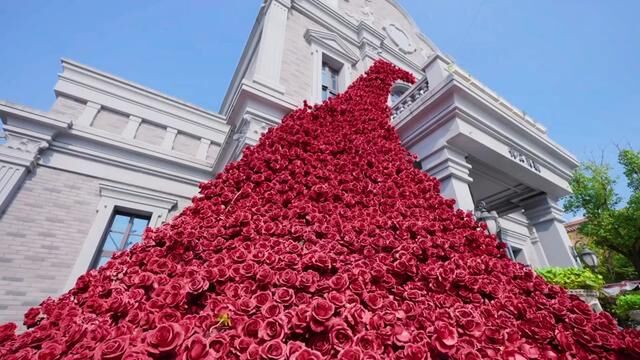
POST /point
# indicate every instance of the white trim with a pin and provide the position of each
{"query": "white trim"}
(327, 45)
(117, 196)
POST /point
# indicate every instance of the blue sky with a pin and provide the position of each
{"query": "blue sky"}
(573, 65)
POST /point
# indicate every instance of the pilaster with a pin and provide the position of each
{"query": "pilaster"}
(450, 167)
(271, 48)
(18, 157)
(546, 217)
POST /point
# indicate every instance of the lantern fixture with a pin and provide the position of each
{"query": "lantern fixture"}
(490, 219)
(589, 258)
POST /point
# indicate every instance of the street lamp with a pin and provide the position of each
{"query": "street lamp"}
(490, 218)
(589, 258)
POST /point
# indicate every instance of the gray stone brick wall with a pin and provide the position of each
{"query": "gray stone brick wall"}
(41, 234)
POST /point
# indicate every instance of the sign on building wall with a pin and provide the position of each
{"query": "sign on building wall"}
(524, 160)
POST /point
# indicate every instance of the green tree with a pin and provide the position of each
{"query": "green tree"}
(609, 225)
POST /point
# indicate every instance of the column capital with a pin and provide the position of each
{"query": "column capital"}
(541, 208)
(447, 162)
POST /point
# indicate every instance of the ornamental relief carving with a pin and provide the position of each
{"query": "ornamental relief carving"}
(365, 13)
(23, 147)
(23, 144)
(400, 38)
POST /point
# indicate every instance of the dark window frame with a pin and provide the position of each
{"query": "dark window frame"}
(126, 233)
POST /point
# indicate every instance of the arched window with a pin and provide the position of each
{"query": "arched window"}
(397, 90)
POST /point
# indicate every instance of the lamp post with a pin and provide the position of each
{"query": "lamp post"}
(490, 218)
(585, 256)
(589, 258)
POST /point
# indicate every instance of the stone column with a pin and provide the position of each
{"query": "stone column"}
(546, 217)
(272, 41)
(450, 167)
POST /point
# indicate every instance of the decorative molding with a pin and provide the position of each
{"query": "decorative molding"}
(103, 89)
(400, 38)
(333, 42)
(134, 195)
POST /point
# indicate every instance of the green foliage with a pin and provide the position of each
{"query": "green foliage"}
(608, 225)
(612, 266)
(626, 303)
(572, 278)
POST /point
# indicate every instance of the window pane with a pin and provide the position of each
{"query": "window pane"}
(325, 75)
(139, 224)
(112, 242)
(103, 260)
(133, 239)
(120, 223)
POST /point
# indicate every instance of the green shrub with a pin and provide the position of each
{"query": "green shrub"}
(626, 303)
(572, 278)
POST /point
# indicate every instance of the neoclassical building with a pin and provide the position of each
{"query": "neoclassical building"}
(110, 157)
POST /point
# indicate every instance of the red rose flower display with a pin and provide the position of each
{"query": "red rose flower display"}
(322, 242)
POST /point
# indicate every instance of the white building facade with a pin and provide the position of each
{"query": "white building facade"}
(110, 157)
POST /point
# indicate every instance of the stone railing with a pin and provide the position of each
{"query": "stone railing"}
(413, 94)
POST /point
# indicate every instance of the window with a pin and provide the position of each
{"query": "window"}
(125, 229)
(329, 81)
(397, 91)
(516, 254)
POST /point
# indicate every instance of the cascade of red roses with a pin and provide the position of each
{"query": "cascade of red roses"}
(322, 242)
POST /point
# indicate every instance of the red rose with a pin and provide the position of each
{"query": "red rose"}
(219, 345)
(445, 337)
(373, 300)
(321, 343)
(165, 337)
(401, 336)
(246, 305)
(472, 327)
(284, 296)
(264, 275)
(341, 337)
(113, 349)
(416, 352)
(33, 316)
(197, 284)
(336, 298)
(288, 278)
(294, 347)
(322, 310)
(262, 298)
(350, 354)
(307, 354)
(367, 342)
(144, 279)
(271, 310)
(167, 316)
(196, 348)
(469, 354)
(7, 332)
(272, 329)
(273, 349)
(251, 328)
(52, 351)
(243, 344)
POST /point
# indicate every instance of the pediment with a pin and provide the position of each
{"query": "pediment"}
(332, 42)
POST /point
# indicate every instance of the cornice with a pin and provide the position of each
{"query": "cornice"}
(84, 77)
(447, 90)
